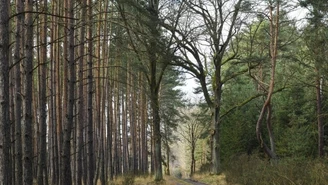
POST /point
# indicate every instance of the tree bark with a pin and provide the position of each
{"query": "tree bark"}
(55, 94)
(66, 176)
(42, 168)
(154, 85)
(90, 145)
(274, 28)
(125, 156)
(18, 94)
(318, 87)
(116, 160)
(143, 122)
(133, 124)
(110, 129)
(62, 83)
(193, 161)
(58, 99)
(28, 134)
(157, 137)
(81, 114)
(4, 93)
(216, 165)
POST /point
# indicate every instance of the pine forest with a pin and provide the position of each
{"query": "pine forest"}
(107, 92)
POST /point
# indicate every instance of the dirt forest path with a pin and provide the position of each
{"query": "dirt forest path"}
(177, 181)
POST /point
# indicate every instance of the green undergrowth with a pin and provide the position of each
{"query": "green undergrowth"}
(210, 179)
(250, 170)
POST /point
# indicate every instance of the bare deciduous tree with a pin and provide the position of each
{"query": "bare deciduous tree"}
(219, 21)
(191, 130)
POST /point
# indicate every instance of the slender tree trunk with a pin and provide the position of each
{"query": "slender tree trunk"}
(57, 100)
(117, 113)
(50, 119)
(66, 177)
(274, 28)
(35, 114)
(12, 117)
(109, 129)
(270, 129)
(102, 140)
(193, 161)
(115, 123)
(90, 95)
(133, 124)
(52, 104)
(118, 142)
(167, 146)
(125, 155)
(81, 114)
(318, 87)
(11, 129)
(104, 70)
(167, 171)
(28, 148)
(62, 76)
(106, 97)
(98, 92)
(4, 94)
(54, 95)
(143, 122)
(18, 94)
(152, 150)
(42, 168)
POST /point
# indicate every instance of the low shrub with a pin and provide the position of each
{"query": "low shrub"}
(128, 179)
(253, 170)
(177, 173)
(205, 168)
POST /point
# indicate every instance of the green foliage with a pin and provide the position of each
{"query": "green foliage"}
(205, 168)
(318, 9)
(238, 127)
(293, 107)
(171, 99)
(254, 170)
(238, 133)
(295, 123)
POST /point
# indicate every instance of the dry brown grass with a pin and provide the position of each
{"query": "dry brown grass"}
(211, 179)
(145, 180)
(249, 170)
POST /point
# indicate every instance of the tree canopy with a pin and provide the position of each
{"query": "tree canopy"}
(93, 90)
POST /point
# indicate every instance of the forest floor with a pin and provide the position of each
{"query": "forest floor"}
(198, 179)
(176, 181)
